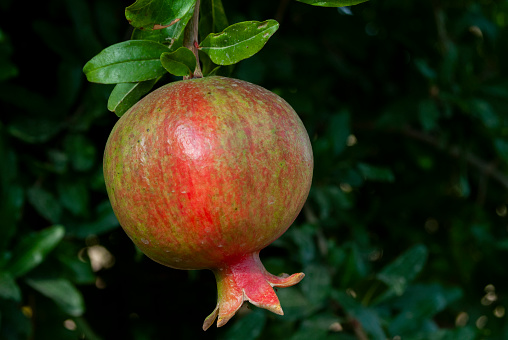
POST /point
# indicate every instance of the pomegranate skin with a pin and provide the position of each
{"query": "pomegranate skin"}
(204, 172)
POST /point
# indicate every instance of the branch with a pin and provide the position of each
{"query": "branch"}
(190, 40)
(486, 168)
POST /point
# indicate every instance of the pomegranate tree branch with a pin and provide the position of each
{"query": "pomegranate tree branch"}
(486, 168)
(190, 40)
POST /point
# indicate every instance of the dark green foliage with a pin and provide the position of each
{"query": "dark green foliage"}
(405, 231)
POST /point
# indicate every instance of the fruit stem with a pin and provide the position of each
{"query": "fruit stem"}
(190, 40)
(246, 279)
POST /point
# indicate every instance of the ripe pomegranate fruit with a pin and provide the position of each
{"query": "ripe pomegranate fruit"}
(206, 172)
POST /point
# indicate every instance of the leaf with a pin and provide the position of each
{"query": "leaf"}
(13, 323)
(125, 95)
(181, 62)
(81, 151)
(317, 283)
(7, 68)
(171, 36)
(248, 327)
(374, 173)
(8, 287)
(212, 17)
(126, 62)
(367, 317)
(294, 304)
(339, 131)
(33, 249)
(332, 3)
(74, 196)
(428, 114)
(103, 221)
(398, 274)
(145, 14)
(32, 129)
(45, 203)
(239, 41)
(420, 303)
(484, 111)
(62, 292)
(11, 193)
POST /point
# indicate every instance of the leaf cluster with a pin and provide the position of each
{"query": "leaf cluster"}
(404, 233)
(158, 46)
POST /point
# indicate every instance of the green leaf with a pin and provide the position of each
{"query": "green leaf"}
(33, 129)
(171, 36)
(332, 3)
(145, 14)
(181, 62)
(239, 41)
(367, 317)
(212, 17)
(13, 323)
(317, 283)
(398, 274)
(74, 196)
(420, 303)
(11, 193)
(104, 221)
(339, 131)
(126, 62)
(8, 287)
(45, 203)
(248, 327)
(428, 114)
(374, 173)
(62, 292)
(33, 249)
(125, 95)
(81, 151)
(7, 68)
(294, 304)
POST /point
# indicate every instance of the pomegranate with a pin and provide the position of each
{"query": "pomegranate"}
(206, 172)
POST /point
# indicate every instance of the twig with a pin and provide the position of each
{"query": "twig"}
(357, 328)
(486, 168)
(281, 10)
(190, 40)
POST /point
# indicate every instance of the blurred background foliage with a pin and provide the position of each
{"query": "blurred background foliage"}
(405, 232)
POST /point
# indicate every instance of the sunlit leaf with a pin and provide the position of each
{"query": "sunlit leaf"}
(33, 249)
(238, 41)
(126, 62)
